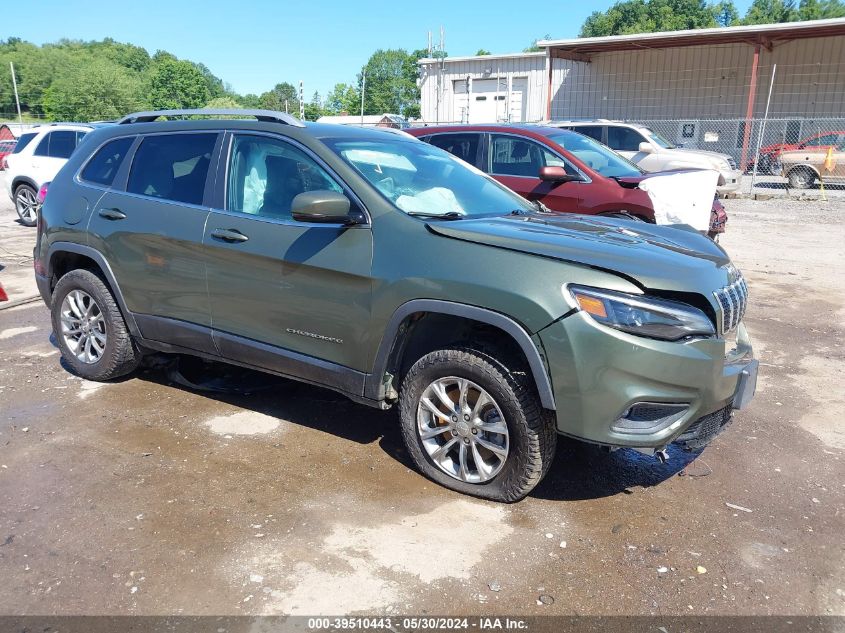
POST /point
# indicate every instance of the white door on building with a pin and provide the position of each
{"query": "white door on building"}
(486, 100)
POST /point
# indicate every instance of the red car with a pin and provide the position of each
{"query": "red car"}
(770, 154)
(6, 147)
(566, 171)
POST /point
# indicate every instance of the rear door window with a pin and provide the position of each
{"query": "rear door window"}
(59, 144)
(23, 141)
(172, 166)
(624, 139)
(102, 168)
(464, 146)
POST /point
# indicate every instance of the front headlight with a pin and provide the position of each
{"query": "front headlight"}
(641, 315)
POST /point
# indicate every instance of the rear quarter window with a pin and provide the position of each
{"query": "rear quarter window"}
(103, 166)
(23, 141)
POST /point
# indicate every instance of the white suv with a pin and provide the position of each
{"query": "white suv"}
(652, 152)
(38, 156)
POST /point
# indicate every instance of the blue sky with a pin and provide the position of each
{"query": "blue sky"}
(254, 45)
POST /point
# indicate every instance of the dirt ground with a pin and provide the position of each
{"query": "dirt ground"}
(146, 497)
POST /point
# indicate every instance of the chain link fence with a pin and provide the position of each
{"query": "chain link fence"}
(783, 156)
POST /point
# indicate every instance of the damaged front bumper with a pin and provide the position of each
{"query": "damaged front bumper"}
(620, 390)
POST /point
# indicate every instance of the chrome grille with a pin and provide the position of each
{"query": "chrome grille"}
(732, 300)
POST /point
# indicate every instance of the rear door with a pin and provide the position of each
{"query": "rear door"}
(150, 230)
(285, 295)
(52, 153)
(515, 161)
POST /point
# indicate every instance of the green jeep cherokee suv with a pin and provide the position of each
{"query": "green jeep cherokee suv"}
(384, 268)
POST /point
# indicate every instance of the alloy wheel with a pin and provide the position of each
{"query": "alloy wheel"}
(83, 326)
(26, 202)
(462, 429)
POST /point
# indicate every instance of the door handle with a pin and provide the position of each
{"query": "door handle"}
(112, 214)
(229, 235)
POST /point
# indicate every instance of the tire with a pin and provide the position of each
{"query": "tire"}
(801, 178)
(530, 439)
(118, 355)
(26, 204)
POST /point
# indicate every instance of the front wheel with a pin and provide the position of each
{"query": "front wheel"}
(26, 204)
(472, 424)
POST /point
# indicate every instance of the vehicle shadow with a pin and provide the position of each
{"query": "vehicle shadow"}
(580, 471)
(583, 471)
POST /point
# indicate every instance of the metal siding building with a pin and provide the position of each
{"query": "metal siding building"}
(484, 89)
(706, 74)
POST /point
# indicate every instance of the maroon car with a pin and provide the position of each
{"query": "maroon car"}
(566, 171)
(6, 147)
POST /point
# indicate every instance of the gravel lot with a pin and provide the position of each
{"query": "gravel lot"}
(146, 497)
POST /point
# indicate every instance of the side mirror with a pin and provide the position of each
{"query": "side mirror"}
(322, 207)
(645, 148)
(557, 174)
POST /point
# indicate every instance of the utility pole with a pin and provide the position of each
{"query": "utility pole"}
(17, 101)
(301, 102)
(363, 88)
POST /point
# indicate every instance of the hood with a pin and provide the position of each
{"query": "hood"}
(656, 257)
(707, 155)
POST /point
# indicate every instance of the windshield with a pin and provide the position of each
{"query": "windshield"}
(658, 139)
(423, 180)
(598, 157)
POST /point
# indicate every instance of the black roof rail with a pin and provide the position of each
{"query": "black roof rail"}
(262, 115)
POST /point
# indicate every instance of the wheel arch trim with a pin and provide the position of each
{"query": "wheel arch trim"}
(475, 313)
(98, 258)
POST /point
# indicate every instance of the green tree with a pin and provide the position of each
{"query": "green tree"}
(95, 90)
(534, 48)
(771, 12)
(820, 9)
(725, 13)
(482, 51)
(250, 100)
(276, 98)
(391, 82)
(223, 103)
(176, 84)
(649, 16)
(342, 98)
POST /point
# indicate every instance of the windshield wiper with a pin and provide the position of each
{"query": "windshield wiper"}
(541, 207)
(451, 215)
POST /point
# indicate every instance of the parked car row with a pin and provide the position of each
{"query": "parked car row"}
(387, 269)
(653, 153)
(566, 171)
(37, 157)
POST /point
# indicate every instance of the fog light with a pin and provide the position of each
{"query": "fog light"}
(644, 418)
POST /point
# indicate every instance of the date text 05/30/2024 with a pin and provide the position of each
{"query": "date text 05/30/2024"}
(416, 624)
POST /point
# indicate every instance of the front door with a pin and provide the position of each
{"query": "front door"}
(151, 233)
(282, 289)
(515, 161)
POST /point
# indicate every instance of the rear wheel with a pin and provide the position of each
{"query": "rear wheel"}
(90, 329)
(474, 425)
(26, 204)
(801, 178)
